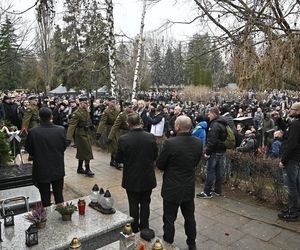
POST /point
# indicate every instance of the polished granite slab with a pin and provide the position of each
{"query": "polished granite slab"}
(93, 229)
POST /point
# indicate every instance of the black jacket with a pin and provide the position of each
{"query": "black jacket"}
(178, 159)
(291, 146)
(137, 149)
(216, 136)
(46, 144)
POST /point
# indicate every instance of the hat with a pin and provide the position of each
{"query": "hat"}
(296, 106)
(153, 104)
(32, 97)
(83, 99)
(6, 97)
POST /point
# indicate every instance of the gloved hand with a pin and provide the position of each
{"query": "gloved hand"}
(98, 135)
(68, 142)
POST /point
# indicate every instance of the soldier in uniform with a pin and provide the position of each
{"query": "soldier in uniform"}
(119, 128)
(107, 120)
(31, 114)
(80, 123)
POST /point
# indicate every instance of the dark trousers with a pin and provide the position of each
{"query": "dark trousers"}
(293, 183)
(139, 209)
(57, 188)
(170, 214)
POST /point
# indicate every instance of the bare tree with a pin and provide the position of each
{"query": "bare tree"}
(249, 30)
(45, 15)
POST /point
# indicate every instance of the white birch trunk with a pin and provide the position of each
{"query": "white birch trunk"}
(111, 48)
(140, 44)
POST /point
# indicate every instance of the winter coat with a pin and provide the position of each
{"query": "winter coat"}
(138, 171)
(178, 159)
(216, 136)
(291, 147)
(46, 144)
(200, 131)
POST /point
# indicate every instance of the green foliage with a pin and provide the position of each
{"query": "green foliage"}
(78, 49)
(4, 149)
(67, 208)
(169, 68)
(156, 66)
(10, 69)
(203, 62)
(200, 76)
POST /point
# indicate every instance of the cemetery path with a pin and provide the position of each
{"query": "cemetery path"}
(222, 222)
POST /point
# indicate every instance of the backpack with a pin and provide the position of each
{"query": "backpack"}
(230, 138)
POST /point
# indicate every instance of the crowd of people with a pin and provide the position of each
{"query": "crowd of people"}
(257, 124)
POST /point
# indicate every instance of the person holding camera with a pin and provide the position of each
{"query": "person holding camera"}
(81, 123)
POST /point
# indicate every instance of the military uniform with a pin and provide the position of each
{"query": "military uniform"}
(80, 123)
(31, 117)
(119, 128)
(107, 121)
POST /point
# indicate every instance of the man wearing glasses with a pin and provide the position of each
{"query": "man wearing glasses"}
(290, 162)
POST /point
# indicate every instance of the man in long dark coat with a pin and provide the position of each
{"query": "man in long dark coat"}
(46, 145)
(179, 157)
(137, 150)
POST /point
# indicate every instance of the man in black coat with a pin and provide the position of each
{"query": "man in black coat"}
(46, 145)
(214, 154)
(137, 150)
(178, 159)
(290, 162)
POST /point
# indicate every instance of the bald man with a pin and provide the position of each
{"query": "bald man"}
(178, 159)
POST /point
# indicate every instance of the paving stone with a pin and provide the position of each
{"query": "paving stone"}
(223, 234)
(214, 216)
(203, 222)
(260, 230)
(210, 244)
(287, 240)
(249, 242)
(231, 219)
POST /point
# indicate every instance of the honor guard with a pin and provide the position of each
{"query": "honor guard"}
(31, 114)
(81, 123)
(107, 120)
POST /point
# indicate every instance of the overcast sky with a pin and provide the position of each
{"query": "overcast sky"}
(127, 14)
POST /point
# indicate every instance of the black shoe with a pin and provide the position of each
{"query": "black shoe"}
(286, 211)
(113, 164)
(193, 247)
(119, 166)
(288, 216)
(80, 171)
(89, 173)
(203, 195)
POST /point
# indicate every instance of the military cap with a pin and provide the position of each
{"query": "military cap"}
(32, 97)
(111, 98)
(127, 104)
(72, 100)
(82, 99)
